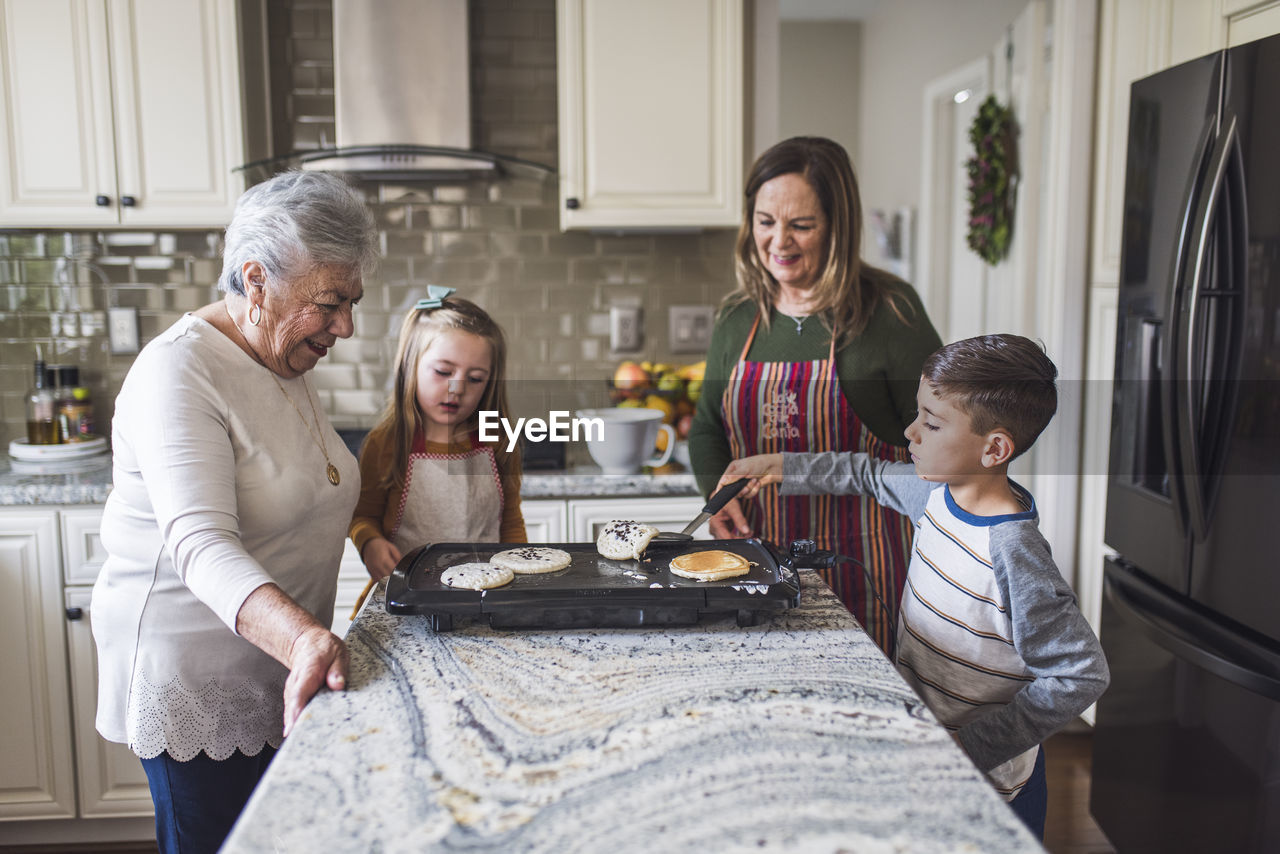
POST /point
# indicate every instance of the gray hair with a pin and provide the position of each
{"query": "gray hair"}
(295, 221)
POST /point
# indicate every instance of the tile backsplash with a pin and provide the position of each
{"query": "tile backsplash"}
(497, 240)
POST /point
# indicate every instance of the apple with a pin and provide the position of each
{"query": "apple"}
(630, 375)
(683, 426)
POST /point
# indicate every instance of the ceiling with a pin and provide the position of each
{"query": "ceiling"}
(826, 10)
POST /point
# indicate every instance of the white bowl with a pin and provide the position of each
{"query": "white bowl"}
(626, 438)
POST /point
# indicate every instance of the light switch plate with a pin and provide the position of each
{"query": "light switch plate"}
(122, 330)
(689, 328)
(625, 333)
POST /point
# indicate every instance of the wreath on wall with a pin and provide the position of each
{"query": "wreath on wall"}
(993, 180)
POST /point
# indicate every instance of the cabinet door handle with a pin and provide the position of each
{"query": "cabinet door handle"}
(128, 201)
(102, 201)
(75, 613)
(572, 204)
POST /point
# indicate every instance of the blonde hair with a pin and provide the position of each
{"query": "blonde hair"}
(847, 291)
(402, 419)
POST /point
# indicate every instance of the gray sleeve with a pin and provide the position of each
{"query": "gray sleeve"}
(894, 485)
(1051, 636)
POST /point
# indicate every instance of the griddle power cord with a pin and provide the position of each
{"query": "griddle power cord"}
(805, 553)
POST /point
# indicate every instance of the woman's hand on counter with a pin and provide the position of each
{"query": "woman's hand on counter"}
(317, 659)
(286, 631)
(380, 557)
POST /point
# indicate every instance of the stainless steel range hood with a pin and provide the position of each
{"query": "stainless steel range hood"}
(402, 94)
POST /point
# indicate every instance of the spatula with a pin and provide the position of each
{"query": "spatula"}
(713, 506)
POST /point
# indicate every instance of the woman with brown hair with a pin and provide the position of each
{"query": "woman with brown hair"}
(814, 351)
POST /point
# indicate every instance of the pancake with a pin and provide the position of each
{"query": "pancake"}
(476, 576)
(531, 560)
(709, 565)
(624, 540)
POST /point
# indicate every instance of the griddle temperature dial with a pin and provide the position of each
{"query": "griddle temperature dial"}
(805, 553)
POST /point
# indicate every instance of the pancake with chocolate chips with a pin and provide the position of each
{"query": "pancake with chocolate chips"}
(532, 560)
(621, 539)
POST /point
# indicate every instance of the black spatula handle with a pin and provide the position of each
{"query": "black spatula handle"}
(722, 497)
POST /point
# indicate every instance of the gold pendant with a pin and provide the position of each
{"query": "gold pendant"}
(332, 471)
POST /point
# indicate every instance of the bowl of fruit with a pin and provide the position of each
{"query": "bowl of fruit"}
(672, 389)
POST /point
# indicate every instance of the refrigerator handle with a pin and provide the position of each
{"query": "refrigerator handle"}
(1190, 226)
(1191, 351)
(1192, 635)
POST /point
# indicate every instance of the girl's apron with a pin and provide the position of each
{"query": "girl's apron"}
(449, 498)
(771, 407)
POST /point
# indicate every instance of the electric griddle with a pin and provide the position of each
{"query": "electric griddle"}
(593, 591)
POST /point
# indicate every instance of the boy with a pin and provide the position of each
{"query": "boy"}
(989, 634)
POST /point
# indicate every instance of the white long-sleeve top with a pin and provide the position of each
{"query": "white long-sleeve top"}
(218, 489)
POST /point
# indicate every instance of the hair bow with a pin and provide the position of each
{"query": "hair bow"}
(436, 295)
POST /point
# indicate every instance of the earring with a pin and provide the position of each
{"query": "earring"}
(255, 319)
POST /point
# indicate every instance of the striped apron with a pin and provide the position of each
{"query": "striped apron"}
(770, 407)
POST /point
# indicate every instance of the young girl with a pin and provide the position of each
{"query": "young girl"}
(425, 477)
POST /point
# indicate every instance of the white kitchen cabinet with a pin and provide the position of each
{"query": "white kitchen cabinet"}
(110, 779)
(650, 113)
(37, 773)
(120, 112)
(545, 521)
(666, 513)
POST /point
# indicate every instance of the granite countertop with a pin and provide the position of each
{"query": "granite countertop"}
(794, 735)
(89, 482)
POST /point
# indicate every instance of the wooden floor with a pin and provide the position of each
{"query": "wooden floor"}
(1069, 829)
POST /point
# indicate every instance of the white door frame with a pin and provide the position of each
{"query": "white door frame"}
(938, 170)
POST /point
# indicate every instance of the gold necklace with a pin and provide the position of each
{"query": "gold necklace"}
(331, 471)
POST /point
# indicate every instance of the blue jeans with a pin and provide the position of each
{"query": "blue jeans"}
(1033, 801)
(198, 801)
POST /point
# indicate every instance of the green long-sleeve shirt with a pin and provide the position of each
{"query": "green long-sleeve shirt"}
(879, 372)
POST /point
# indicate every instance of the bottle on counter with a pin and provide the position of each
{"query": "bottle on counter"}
(42, 429)
(74, 408)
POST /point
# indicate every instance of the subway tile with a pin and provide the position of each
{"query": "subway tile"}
(392, 216)
(10, 327)
(93, 323)
(388, 192)
(597, 323)
(434, 270)
(333, 376)
(457, 244)
(388, 270)
(516, 244)
(451, 193)
(356, 401)
(35, 325)
(115, 269)
(435, 217)
(545, 271)
(39, 271)
(539, 218)
(26, 245)
(489, 217)
(37, 298)
(185, 299)
(405, 243)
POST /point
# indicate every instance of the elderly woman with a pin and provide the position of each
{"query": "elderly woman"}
(814, 351)
(231, 499)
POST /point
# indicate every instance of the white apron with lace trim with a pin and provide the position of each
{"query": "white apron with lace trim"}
(449, 498)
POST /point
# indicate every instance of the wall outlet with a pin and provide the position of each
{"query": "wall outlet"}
(122, 330)
(689, 328)
(625, 332)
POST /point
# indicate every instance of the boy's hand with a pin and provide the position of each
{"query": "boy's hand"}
(762, 469)
(380, 557)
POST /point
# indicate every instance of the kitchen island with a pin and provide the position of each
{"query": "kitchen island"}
(794, 735)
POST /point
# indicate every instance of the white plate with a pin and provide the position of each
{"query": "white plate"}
(21, 449)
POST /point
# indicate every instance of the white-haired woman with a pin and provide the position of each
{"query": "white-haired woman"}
(231, 498)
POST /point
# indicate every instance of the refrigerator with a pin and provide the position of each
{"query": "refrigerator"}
(1186, 753)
